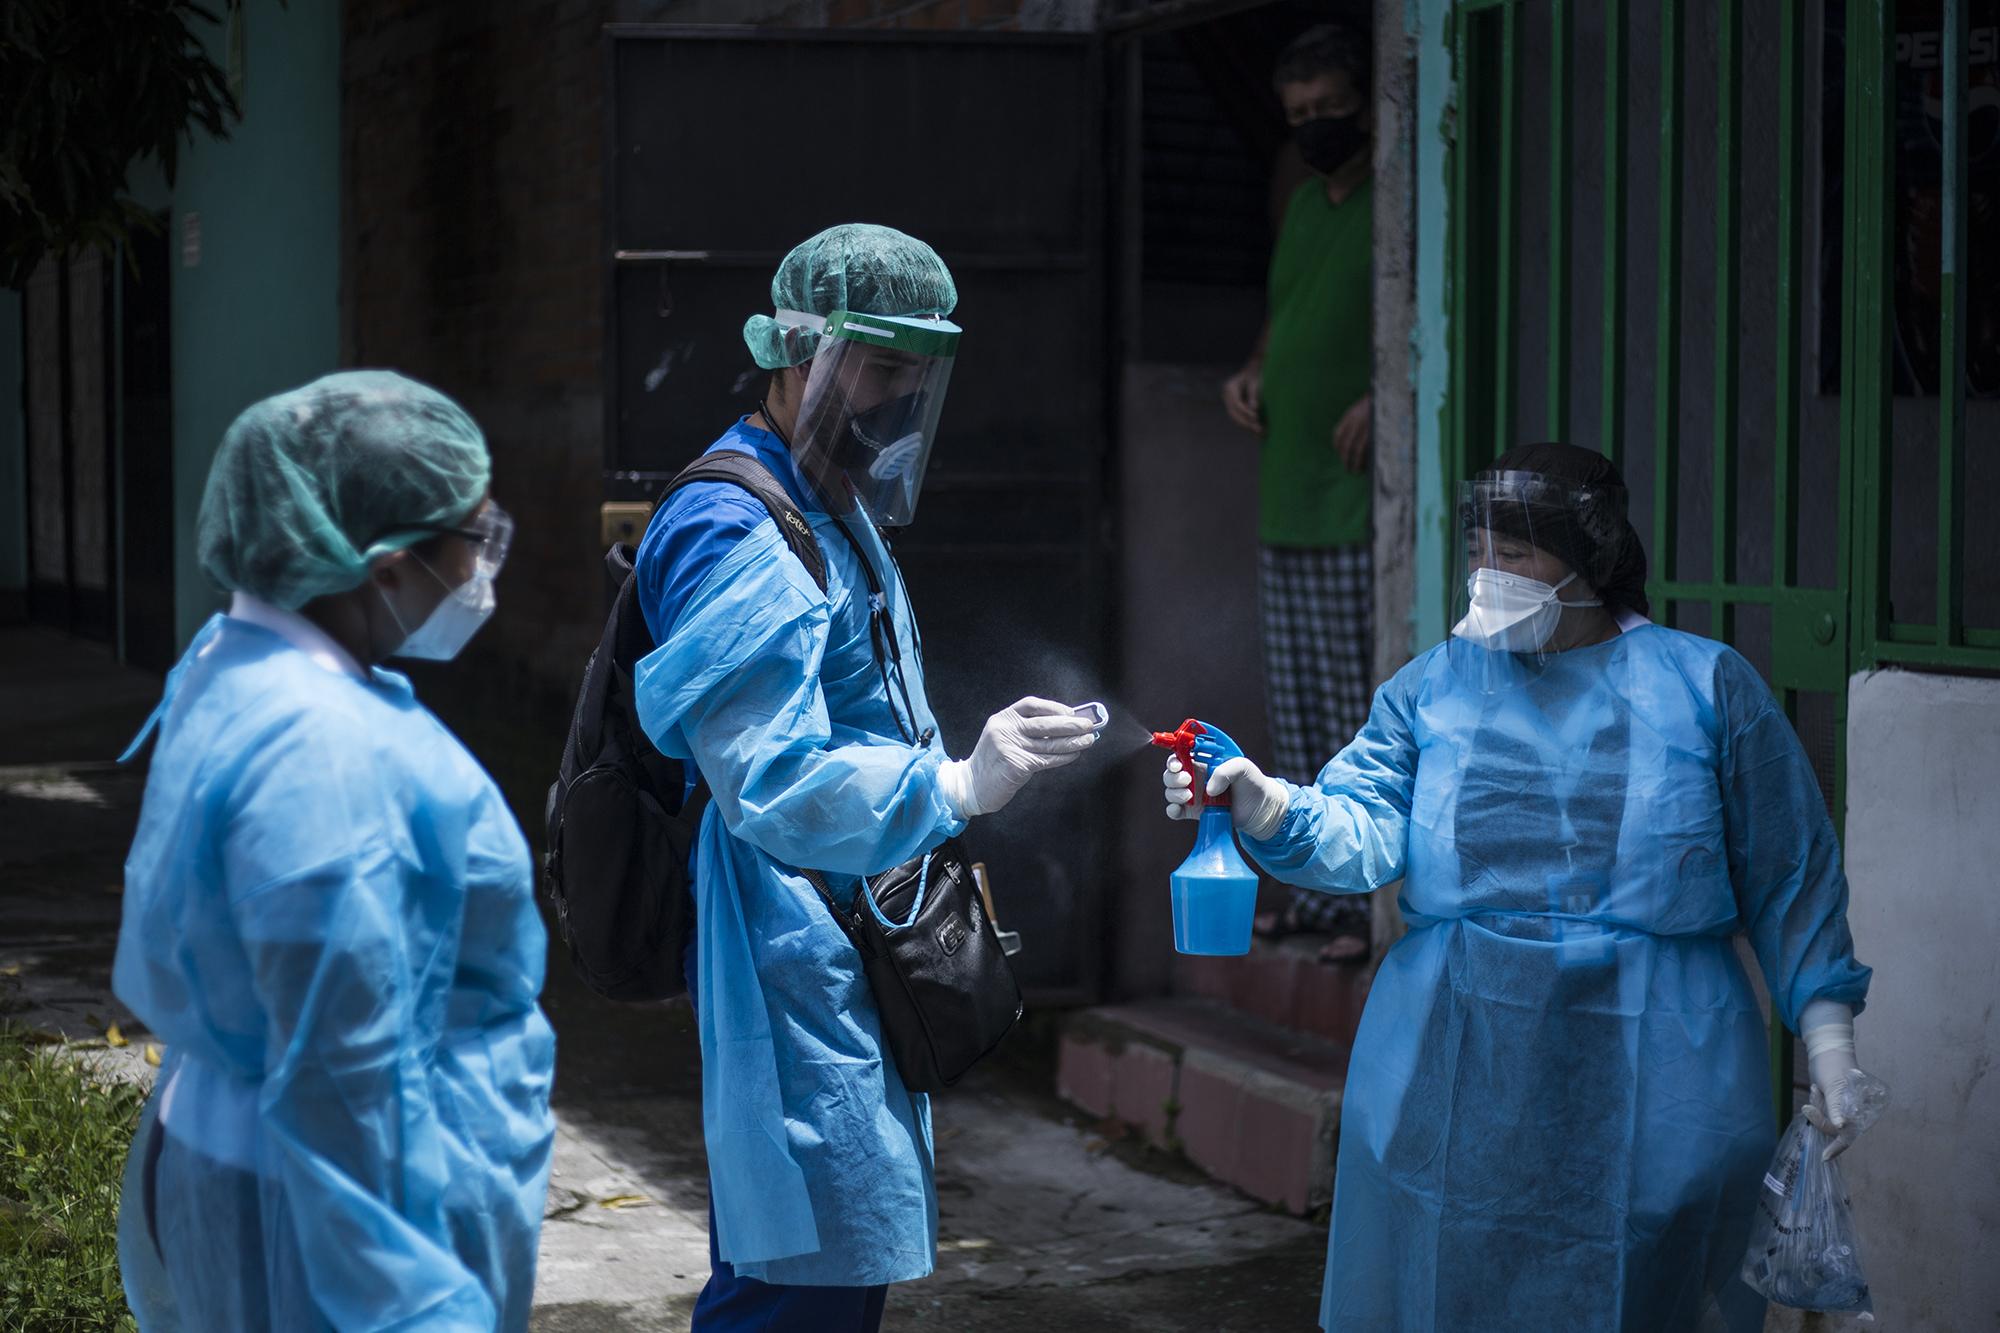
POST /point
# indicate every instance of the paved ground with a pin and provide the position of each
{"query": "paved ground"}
(1046, 1223)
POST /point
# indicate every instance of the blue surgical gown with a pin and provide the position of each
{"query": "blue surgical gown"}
(1558, 1109)
(820, 1161)
(329, 920)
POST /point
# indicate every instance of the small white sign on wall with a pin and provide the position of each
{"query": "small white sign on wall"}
(190, 240)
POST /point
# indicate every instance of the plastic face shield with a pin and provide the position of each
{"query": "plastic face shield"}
(870, 413)
(1516, 594)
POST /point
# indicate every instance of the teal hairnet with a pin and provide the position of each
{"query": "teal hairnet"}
(311, 485)
(855, 266)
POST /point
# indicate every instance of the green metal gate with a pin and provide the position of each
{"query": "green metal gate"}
(1639, 280)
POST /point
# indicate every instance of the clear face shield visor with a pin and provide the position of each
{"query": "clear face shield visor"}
(1521, 588)
(870, 413)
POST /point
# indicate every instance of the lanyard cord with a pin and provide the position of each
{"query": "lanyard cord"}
(881, 624)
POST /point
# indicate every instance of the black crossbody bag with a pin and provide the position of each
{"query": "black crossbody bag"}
(933, 957)
(942, 982)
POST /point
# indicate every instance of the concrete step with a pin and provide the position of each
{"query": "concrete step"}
(1253, 1104)
(1283, 982)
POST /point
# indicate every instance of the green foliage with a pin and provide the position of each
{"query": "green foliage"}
(87, 91)
(63, 1140)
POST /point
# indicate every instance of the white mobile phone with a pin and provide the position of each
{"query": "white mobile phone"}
(1097, 713)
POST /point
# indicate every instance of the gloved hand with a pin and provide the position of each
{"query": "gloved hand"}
(1256, 802)
(1215, 747)
(1844, 1100)
(1031, 737)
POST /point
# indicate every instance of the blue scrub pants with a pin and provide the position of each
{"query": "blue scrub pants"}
(732, 1304)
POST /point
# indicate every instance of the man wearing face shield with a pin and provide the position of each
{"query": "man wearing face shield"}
(1557, 1113)
(805, 713)
(870, 410)
(1305, 393)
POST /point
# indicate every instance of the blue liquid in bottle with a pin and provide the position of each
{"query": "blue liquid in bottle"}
(1215, 891)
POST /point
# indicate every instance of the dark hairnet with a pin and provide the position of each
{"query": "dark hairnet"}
(1591, 533)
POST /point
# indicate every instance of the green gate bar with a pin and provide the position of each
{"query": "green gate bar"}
(1667, 350)
(1866, 293)
(1951, 343)
(1558, 230)
(1463, 279)
(1729, 138)
(1611, 434)
(1791, 189)
(1506, 260)
(1785, 444)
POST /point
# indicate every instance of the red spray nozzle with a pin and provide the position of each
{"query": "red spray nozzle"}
(1181, 742)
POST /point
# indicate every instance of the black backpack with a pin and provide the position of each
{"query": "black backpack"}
(619, 830)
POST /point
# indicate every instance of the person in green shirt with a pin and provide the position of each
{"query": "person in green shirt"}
(1305, 391)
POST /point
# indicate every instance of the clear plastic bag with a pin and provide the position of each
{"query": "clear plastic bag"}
(1803, 1249)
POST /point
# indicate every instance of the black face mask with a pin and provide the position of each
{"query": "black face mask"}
(1327, 142)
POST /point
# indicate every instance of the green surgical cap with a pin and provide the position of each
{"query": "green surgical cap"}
(311, 485)
(856, 266)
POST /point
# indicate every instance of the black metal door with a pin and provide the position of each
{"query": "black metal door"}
(729, 146)
(66, 312)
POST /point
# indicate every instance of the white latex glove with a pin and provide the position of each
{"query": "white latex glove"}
(1256, 802)
(1827, 1028)
(1033, 736)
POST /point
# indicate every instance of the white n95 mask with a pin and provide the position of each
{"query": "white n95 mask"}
(1512, 614)
(452, 624)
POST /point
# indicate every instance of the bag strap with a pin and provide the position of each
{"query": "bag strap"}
(840, 919)
(744, 471)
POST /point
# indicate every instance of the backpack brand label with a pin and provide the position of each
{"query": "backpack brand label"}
(950, 935)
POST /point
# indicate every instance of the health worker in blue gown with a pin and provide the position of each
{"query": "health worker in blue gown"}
(329, 915)
(805, 713)
(1558, 1110)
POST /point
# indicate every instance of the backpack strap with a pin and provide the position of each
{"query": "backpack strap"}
(743, 471)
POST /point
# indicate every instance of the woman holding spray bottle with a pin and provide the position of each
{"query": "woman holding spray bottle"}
(1557, 1113)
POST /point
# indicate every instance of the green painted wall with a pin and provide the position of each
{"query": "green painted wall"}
(260, 312)
(1429, 23)
(13, 455)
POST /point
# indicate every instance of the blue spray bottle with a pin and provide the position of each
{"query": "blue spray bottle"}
(1215, 890)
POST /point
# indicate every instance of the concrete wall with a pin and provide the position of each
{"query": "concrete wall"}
(1427, 31)
(1395, 312)
(259, 312)
(1922, 843)
(13, 464)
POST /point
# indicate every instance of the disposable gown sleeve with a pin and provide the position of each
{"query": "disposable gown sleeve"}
(735, 687)
(1784, 859)
(1349, 832)
(336, 924)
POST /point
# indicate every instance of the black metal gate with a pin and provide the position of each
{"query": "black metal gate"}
(67, 316)
(729, 146)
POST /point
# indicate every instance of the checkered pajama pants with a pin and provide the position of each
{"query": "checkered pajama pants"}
(1315, 603)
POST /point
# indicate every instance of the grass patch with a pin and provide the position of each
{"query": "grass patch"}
(63, 1139)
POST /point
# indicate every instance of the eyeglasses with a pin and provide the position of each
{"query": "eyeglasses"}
(491, 530)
